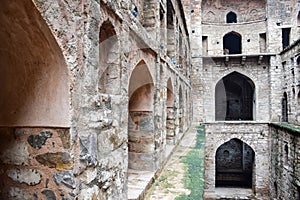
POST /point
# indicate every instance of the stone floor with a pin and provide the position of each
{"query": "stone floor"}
(170, 184)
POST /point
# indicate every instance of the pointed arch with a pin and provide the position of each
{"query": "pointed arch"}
(170, 95)
(140, 119)
(235, 98)
(231, 17)
(234, 164)
(109, 59)
(170, 117)
(232, 43)
(33, 73)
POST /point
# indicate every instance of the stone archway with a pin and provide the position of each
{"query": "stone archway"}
(234, 98)
(170, 113)
(33, 74)
(141, 126)
(109, 59)
(34, 103)
(234, 164)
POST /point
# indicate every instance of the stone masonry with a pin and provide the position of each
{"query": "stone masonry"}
(93, 90)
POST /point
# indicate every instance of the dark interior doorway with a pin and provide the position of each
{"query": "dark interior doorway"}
(234, 164)
(234, 98)
(232, 43)
(231, 17)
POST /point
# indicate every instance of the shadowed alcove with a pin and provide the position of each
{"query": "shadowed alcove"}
(235, 98)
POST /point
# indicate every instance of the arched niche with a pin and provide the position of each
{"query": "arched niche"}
(284, 107)
(170, 121)
(232, 43)
(33, 74)
(235, 98)
(170, 95)
(231, 17)
(140, 120)
(109, 59)
(234, 164)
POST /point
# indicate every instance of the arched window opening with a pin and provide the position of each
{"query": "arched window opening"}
(234, 164)
(298, 98)
(232, 43)
(234, 96)
(109, 60)
(284, 105)
(170, 114)
(231, 17)
(140, 119)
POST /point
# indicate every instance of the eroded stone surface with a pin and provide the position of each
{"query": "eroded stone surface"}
(28, 176)
(66, 177)
(37, 141)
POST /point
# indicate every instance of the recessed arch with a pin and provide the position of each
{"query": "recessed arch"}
(170, 117)
(170, 95)
(231, 17)
(234, 164)
(235, 98)
(232, 43)
(140, 119)
(109, 59)
(34, 76)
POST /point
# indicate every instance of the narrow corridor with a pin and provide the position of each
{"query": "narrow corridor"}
(182, 176)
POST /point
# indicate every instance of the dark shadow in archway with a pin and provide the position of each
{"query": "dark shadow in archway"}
(234, 164)
(235, 98)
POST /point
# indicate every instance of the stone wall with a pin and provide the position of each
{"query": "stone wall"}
(253, 134)
(285, 166)
(290, 77)
(246, 11)
(79, 58)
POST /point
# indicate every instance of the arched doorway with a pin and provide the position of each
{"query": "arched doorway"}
(170, 113)
(232, 43)
(234, 98)
(234, 164)
(109, 60)
(140, 121)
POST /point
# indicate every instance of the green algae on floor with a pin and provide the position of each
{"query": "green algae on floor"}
(194, 174)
